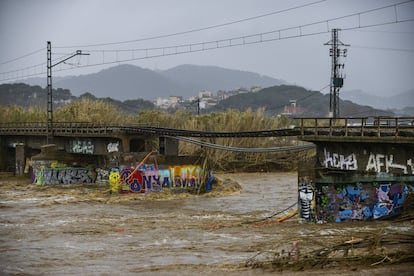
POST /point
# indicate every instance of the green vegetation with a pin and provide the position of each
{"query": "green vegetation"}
(103, 112)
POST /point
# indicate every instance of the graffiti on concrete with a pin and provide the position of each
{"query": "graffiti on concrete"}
(306, 197)
(149, 179)
(53, 176)
(340, 161)
(375, 162)
(360, 201)
(113, 147)
(144, 179)
(385, 163)
(102, 176)
(82, 146)
(114, 181)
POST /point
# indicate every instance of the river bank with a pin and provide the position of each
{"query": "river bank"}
(81, 229)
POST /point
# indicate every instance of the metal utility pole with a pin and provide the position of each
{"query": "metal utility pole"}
(49, 125)
(337, 78)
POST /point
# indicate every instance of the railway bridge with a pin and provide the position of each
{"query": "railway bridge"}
(363, 168)
(19, 141)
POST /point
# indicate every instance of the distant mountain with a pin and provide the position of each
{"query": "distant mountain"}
(121, 83)
(311, 103)
(272, 99)
(399, 101)
(132, 82)
(213, 78)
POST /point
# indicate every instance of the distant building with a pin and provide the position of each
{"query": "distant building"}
(206, 99)
(171, 101)
(292, 109)
(205, 94)
(175, 99)
(255, 89)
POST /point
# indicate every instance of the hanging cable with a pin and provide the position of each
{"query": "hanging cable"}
(196, 29)
(238, 149)
(21, 57)
(269, 36)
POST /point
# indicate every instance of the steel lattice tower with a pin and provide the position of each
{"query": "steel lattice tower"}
(337, 76)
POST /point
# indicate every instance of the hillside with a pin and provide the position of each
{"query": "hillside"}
(24, 95)
(399, 101)
(124, 82)
(272, 99)
(213, 78)
(121, 83)
(314, 104)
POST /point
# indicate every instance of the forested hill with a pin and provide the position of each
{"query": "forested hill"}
(126, 81)
(24, 95)
(272, 99)
(312, 103)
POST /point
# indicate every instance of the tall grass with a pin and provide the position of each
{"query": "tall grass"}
(98, 111)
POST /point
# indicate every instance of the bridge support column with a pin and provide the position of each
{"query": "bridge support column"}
(349, 181)
(168, 146)
(125, 143)
(20, 158)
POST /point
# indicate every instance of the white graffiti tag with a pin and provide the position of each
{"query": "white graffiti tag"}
(339, 161)
(384, 163)
(85, 147)
(113, 147)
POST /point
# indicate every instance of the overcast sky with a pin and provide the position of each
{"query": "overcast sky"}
(380, 59)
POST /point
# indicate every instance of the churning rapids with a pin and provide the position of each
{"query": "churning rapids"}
(80, 230)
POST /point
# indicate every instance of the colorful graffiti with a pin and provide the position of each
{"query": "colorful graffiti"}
(355, 181)
(53, 176)
(149, 179)
(360, 201)
(143, 179)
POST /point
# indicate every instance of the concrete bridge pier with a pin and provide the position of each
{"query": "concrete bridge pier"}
(20, 159)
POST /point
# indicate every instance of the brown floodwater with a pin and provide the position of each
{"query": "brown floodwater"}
(82, 230)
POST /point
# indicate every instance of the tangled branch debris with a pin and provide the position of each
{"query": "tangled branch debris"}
(371, 250)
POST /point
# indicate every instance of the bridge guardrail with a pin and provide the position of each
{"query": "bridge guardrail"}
(364, 126)
(401, 127)
(65, 128)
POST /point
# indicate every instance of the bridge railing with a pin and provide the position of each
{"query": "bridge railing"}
(363, 126)
(66, 128)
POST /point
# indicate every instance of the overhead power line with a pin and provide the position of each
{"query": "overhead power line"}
(383, 48)
(385, 32)
(122, 55)
(196, 29)
(21, 57)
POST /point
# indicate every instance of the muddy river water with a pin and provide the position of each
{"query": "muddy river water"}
(84, 231)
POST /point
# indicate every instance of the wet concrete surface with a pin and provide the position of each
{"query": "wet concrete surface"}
(83, 231)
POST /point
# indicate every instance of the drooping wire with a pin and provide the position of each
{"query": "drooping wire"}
(230, 42)
(21, 57)
(196, 29)
(239, 149)
(383, 48)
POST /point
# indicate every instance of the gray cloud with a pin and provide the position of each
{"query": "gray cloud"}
(374, 63)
